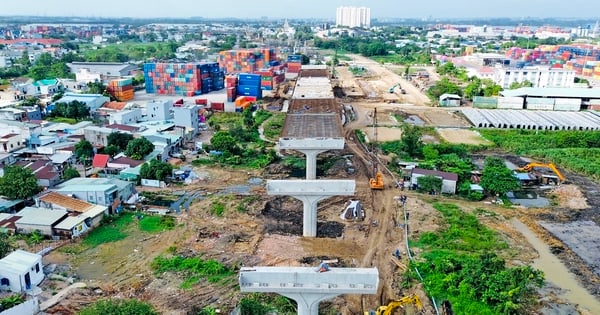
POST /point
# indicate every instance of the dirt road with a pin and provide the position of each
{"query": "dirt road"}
(383, 79)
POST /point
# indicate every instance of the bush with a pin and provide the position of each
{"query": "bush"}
(118, 307)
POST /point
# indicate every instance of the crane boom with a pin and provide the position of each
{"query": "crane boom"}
(529, 167)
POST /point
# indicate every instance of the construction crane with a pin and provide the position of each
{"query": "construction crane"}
(377, 181)
(389, 309)
(529, 167)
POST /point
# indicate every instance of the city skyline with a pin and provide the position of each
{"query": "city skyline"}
(436, 9)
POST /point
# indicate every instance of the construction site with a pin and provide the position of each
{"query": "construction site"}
(338, 242)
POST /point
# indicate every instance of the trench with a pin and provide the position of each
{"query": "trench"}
(557, 273)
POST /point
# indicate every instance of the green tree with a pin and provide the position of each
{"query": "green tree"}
(224, 142)
(70, 172)
(138, 148)
(430, 184)
(497, 179)
(473, 89)
(411, 140)
(119, 139)
(112, 150)
(443, 86)
(18, 183)
(7, 245)
(247, 118)
(83, 150)
(118, 307)
(490, 88)
(96, 88)
(156, 169)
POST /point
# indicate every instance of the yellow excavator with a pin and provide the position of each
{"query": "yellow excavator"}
(377, 181)
(393, 305)
(529, 167)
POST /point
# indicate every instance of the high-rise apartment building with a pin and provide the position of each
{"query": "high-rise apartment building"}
(353, 17)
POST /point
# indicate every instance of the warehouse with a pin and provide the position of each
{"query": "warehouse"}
(532, 120)
(558, 99)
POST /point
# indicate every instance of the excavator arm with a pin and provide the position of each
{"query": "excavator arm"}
(529, 167)
(389, 309)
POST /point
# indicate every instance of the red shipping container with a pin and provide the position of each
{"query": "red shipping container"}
(217, 106)
(201, 101)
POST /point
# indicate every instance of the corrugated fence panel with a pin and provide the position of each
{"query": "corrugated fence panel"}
(510, 102)
(567, 104)
(485, 102)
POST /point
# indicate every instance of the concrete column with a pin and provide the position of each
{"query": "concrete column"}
(310, 205)
(308, 303)
(311, 162)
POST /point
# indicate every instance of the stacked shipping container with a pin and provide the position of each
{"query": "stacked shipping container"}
(121, 89)
(294, 63)
(186, 79)
(249, 85)
(247, 60)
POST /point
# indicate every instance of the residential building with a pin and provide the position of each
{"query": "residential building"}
(21, 271)
(48, 87)
(539, 76)
(38, 219)
(45, 172)
(83, 216)
(102, 191)
(11, 142)
(93, 101)
(106, 70)
(123, 162)
(125, 117)
(5, 61)
(97, 136)
(449, 180)
(158, 111)
(187, 116)
(353, 17)
(10, 113)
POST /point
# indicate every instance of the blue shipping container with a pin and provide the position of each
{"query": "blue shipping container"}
(249, 77)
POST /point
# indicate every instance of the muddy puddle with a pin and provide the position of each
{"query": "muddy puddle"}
(558, 275)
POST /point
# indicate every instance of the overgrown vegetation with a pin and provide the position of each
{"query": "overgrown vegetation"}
(11, 301)
(274, 126)
(157, 223)
(460, 264)
(237, 140)
(193, 269)
(118, 307)
(574, 150)
(263, 304)
(112, 229)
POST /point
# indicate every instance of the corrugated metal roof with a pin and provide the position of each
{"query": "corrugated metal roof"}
(70, 222)
(553, 92)
(66, 202)
(19, 261)
(40, 216)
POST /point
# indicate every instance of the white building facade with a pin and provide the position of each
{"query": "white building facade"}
(540, 77)
(353, 17)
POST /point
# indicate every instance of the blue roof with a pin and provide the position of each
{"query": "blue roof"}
(84, 98)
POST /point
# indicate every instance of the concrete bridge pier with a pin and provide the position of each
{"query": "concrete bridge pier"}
(310, 192)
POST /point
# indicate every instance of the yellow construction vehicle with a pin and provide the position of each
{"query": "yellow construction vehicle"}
(389, 309)
(377, 181)
(529, 167)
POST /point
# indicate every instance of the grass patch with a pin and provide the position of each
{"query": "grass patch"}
(156, 224)
(200, 162)
(225, 119)
(459, 263)
(261, 116)
(193, 269)
(112, 230)
(274, 125)
(217, 208)
(70, 121)
(578, 151)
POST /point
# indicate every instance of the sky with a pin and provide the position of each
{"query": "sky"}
(292, 9)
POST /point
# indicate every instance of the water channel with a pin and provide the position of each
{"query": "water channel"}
(558, 274)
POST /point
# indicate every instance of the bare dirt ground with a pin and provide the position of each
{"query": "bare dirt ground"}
(464, 136)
